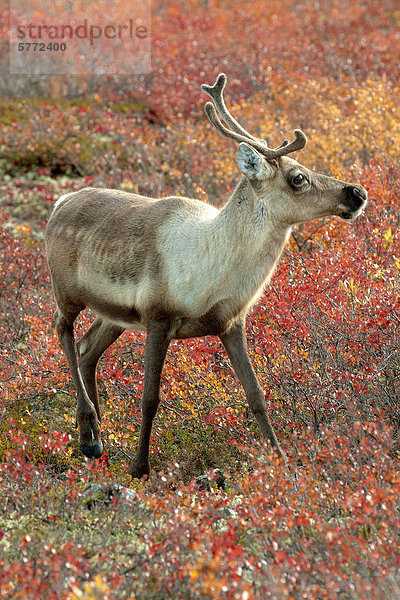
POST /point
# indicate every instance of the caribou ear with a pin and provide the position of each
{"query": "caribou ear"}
(252, 164)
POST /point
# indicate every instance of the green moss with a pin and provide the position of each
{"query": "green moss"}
(128, 107)
(196, 447)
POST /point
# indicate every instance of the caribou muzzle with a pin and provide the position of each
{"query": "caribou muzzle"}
(354, 202)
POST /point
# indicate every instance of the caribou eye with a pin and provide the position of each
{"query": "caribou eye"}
(298, 179)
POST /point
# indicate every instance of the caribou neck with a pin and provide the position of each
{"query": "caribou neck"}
(249, 224)
(248, 241)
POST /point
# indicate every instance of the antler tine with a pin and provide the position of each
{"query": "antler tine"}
(216, 92)
(300, 140)
(285, 148)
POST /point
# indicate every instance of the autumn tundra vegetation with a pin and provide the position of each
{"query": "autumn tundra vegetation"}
(221, 514)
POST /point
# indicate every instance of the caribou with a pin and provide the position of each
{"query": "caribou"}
(176, 267)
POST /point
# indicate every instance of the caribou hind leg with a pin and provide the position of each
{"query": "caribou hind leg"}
(90, 347)
(86, 414)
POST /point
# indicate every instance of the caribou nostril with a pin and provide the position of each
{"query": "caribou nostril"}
(360, 192)
(356, 196)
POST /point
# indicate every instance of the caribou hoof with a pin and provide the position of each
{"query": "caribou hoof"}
(139, 470)
(94, 450)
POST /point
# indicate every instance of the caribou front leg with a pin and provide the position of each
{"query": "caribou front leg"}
(156, 348)
(235, 344)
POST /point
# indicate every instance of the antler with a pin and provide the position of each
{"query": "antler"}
(237, 133)
(216, 92)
